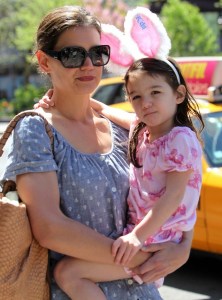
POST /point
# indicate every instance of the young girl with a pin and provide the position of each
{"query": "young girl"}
(165, 173)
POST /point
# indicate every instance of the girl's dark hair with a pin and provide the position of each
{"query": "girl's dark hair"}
(186, 112)
(60, 19)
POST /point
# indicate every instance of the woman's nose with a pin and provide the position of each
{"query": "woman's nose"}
(87, 63)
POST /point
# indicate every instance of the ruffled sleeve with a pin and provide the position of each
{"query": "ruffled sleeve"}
(182, 150)
(30, 150)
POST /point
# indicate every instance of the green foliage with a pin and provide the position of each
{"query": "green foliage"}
(218, 4)
(7, 22)
(18, 24)
(29, 15)
(25, 97)
(188, 30)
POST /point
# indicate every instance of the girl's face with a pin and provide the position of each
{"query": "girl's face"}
(82, 80)
(153, 100)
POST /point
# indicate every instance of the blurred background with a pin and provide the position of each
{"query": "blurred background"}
(195, 29)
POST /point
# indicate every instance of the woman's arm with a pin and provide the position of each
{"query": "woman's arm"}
(57, 232)
(51, 227)
(54, 230)
(167, 258)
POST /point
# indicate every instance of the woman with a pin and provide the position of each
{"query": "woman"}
(76, 197)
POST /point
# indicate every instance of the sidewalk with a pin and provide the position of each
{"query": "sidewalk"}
(170, 293)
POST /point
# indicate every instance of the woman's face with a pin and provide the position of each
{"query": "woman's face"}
(82, 80)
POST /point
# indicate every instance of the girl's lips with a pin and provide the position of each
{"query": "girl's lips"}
(86, 78)
(149, 113)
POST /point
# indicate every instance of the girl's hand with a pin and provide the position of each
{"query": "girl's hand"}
(125, 247)
(46, 100)
(97, 105)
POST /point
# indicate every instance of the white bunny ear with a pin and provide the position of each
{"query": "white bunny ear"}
(120, 60)
(145, 30)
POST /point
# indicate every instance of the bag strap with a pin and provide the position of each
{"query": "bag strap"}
(15, 120)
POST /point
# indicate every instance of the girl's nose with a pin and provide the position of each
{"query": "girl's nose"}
(147, 103)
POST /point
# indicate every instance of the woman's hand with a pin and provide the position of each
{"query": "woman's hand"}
(46, 100)
(167, 258)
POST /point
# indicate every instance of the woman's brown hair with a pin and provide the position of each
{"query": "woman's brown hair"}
(59, 20)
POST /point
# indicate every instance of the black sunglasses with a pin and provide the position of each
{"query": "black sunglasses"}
(74, 57)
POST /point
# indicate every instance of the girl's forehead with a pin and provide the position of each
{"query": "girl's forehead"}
(143, 76)
(142, 81)
(138, 73)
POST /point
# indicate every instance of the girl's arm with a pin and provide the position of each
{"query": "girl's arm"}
(118, 116)
(125, 247)
(176, 183)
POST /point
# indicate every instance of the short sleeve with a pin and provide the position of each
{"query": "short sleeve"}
(30, 150)
(183, 150)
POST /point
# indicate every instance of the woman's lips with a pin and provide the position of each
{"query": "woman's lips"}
(86, 78)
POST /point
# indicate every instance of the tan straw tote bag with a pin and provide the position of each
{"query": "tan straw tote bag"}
(23, 262)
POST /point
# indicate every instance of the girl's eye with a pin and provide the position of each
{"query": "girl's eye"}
(135, 97)
(155, 92)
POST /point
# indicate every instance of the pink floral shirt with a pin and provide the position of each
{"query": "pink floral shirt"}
(179, 151)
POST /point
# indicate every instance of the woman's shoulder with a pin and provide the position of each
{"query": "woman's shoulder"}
(30, 149)
(29, 117)
(32, 130)
(31, 122)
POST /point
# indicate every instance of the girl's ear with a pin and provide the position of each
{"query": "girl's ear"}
(181, 93)
(43, 61)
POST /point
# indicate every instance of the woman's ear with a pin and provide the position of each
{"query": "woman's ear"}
(43, 61)
(181, 93)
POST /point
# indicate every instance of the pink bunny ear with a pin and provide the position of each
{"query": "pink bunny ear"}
(120, 60)
(148, 34)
